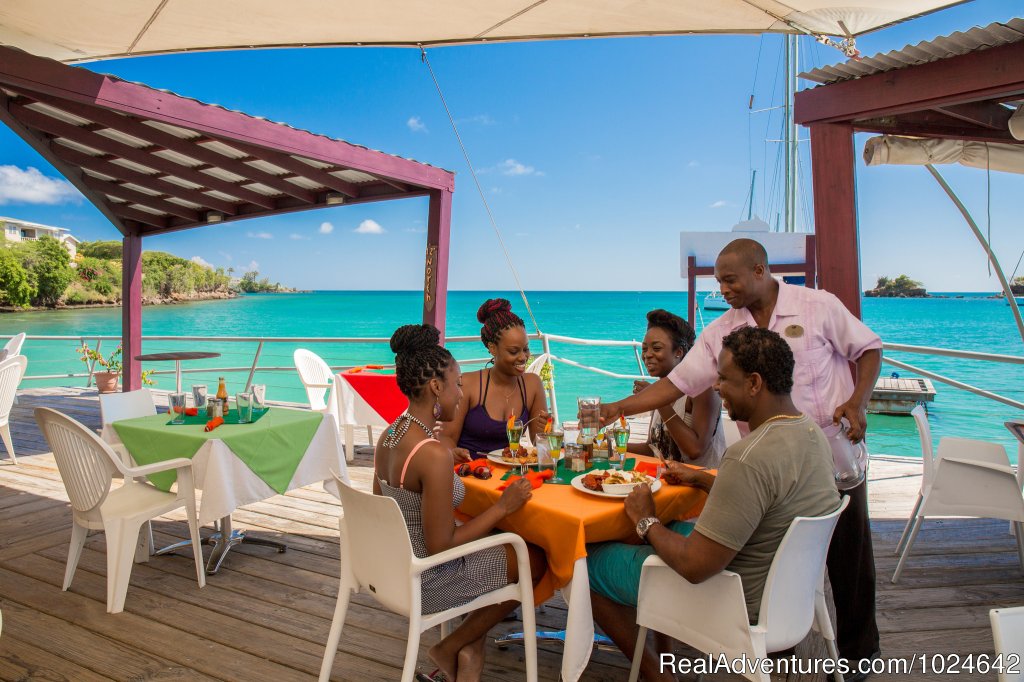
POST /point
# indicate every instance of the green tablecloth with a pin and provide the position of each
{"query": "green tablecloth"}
(567, 474)
(271, 447)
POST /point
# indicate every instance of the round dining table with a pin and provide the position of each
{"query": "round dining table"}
(177, 357)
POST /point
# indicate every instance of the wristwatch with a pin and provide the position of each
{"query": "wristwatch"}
(643, 526)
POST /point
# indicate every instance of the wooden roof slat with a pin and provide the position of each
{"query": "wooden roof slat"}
(154, 135)
(155, 183)
(52, 126)
(138, 216)
(156, 203)
(290, 163)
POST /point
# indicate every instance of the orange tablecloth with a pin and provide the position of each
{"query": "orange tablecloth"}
(561, 520)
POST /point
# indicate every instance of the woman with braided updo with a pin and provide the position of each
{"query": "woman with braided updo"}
(499, 391)
(688, 430)
(416, 470)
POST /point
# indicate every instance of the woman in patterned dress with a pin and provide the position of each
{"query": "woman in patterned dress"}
(416, 470)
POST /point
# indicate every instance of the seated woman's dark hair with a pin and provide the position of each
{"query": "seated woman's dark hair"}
(418, 357)
(678, 329)
(764, 352)
(496, 316)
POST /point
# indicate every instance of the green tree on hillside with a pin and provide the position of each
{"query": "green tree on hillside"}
(48, 266)
(15, 289)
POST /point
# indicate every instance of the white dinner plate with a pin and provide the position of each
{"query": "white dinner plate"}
(495, 456)
(578, 484)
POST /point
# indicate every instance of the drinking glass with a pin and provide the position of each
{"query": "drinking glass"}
(556, 437)
(259, 396)
(177, 401)
(544, 460)
(243, 401)
(621, 435)
(590, 417)
(572, 431)
(199, 394)
(515, 434)
(575, 457)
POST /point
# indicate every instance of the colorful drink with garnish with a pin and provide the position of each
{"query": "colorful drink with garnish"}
(514, 431)
(621, 434)
(555, 437)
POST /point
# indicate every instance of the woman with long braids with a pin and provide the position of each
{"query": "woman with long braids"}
(688, 430)
(416, 470)
(498, 391)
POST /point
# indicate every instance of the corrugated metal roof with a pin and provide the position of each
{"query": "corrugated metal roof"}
(943, 47)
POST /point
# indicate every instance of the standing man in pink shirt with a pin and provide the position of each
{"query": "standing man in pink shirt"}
(824, 337)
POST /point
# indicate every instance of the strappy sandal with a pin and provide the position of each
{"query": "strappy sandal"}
(436, 676)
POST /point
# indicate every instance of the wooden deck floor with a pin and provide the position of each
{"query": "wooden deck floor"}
(265, 616)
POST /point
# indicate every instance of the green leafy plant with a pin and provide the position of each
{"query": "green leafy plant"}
(111, 363)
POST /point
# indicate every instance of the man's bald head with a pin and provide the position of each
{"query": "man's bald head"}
(749, 252)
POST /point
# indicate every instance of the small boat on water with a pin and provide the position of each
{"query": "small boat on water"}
(715, 301)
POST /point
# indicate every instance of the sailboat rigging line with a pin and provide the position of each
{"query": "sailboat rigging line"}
(479, 189)
(848, 45)
(984, 244)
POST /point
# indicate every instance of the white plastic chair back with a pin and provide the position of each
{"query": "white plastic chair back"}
(117, 406)
(924, 432)
(13, 346)
(537, 364)
(730, 429)
(787, 605)
(376, 548)
(85, 462)
(1008, 636)
(315, 375)
(11, 371)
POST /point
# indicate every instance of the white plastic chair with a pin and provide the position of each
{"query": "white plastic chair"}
(11, 371)
(712, 616)
(117, 406)
(376, 554)
(1008, 636)
(965, 477)
(13, 345)
(316, 377)
(86, 466)
(537, 364)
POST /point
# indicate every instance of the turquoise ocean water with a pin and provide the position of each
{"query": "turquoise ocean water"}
(969, 323)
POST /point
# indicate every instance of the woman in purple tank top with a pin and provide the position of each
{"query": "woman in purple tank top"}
(492, 394)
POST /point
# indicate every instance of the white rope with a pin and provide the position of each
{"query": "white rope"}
(479, 189)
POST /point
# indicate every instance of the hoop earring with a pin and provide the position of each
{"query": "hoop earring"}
(489, 362)
(437, 410)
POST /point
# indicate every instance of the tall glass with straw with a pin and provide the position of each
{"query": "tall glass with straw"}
(555, 437)
(514, 431)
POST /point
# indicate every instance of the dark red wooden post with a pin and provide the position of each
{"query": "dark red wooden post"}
(810, 268)
(435, 273)
(835, 212)
(131, 310)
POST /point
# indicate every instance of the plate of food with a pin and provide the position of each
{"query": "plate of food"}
(613, 483)
(525, 455)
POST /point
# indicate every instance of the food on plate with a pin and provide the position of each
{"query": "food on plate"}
(598, 480)
(521, 456)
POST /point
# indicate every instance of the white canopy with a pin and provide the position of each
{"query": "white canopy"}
(915, 151)
(81, 30)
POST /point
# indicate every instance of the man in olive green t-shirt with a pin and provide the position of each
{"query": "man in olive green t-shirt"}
(781, 470)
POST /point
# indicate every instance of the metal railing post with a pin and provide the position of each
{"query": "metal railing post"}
(252, 370)
(554, 400)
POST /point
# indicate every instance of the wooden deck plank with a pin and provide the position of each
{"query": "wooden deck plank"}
(959, 569)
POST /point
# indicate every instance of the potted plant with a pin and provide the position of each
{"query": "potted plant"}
(107, 370)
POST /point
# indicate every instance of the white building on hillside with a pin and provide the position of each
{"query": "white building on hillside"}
(15, 230)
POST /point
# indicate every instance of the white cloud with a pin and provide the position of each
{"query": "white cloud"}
(719, 204)
(29, 186)
(416, 125)
(259, 235)
(513, 167)
(296, 236)
(253, 265)
(326, 227)
(369, 227)
(693, 164)
(225, 255)
(480, 119)
(200, 261)
(416, 230)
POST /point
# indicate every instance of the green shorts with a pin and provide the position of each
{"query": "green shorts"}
(614, 567)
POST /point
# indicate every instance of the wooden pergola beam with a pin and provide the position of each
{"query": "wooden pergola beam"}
(293, 165)
(984, 75)
(119, 191)
(985, 114)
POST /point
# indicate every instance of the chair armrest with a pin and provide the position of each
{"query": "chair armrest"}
(317, 385)
(991, 466)
(420, 565)
(157, 467)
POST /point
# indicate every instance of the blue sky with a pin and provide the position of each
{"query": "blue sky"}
(593, 155)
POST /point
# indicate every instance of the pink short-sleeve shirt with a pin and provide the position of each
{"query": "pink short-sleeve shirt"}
(822, 333)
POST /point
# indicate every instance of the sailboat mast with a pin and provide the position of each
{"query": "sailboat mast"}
(791, 134)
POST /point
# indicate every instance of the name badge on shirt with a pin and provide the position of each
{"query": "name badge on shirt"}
(794, 331)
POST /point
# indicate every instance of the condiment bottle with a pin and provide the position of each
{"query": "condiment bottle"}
(222, 394)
